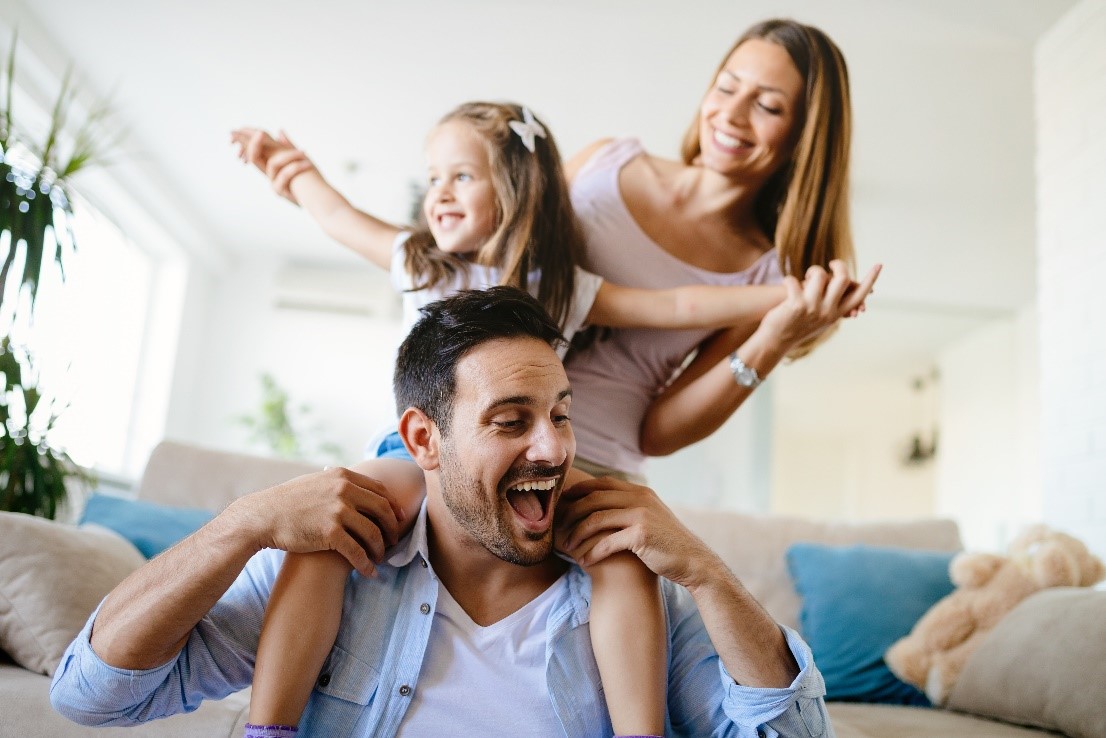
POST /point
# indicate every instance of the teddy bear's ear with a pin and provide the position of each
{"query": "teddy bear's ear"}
(973, 570)
(1055, 565)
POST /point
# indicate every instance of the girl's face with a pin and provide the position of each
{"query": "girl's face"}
(748, 120)
(460, 204)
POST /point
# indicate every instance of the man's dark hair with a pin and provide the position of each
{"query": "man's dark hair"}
(426, 377)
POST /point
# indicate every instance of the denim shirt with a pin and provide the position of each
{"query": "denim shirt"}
(373, 669)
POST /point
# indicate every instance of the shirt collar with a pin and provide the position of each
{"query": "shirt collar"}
(575, 609)
(414, 543)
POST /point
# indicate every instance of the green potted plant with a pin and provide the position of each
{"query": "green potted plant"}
(35, 233)
(277, 427)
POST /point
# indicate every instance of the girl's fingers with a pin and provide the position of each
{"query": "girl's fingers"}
(814, 285)
(278, 160)
(282, 182)
(856, 297)
(837, 287)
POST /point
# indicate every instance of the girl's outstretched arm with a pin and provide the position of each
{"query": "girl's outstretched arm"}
(691, 306)
(630, 640)
(305, 608)
(705, 394)
(296, 178)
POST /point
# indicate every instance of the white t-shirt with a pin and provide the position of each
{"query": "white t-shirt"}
(480, 277)
(485, 680)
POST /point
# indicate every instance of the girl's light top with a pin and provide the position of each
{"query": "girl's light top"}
(479, 277)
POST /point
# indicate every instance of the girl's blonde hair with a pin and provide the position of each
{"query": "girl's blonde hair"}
(804, 207)
(535, 225)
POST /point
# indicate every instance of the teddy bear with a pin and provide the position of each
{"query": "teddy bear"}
(988, 585)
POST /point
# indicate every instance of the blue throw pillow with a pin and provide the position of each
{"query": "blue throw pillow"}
(857, 601)
(151, 527)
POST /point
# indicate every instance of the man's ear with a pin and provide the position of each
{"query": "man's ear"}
(421, 437)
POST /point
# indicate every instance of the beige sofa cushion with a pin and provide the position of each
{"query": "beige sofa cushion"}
(1044, 664)
(52, 576)
(754, 547)
(192, 476)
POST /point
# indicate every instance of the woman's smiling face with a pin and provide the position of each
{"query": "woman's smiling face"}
(749, 119)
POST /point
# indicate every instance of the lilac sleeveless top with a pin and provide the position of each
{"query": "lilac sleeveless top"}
(614, 381)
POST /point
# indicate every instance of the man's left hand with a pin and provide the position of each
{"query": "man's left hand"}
(628, 517)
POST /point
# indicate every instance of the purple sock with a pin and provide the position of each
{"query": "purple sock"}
(270, 731)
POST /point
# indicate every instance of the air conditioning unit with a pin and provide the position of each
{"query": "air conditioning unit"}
(336, 289)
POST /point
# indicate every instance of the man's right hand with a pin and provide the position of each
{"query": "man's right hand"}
(334, 510)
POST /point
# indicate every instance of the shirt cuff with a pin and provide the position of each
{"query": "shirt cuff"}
(90, 691)
(758, 706)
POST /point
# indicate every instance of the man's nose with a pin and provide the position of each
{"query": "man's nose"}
(548, 444)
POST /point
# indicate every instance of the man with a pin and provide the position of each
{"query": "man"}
(486, 415)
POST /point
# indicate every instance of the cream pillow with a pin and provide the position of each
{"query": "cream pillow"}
(52, 576)
(1043, 665)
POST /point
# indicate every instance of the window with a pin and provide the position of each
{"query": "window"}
(87, 338)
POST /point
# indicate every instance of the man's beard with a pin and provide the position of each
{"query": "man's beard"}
(488, 521)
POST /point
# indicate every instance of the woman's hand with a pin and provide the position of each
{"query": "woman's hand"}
(819, 301)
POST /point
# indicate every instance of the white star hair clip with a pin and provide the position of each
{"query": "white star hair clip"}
(527, 129)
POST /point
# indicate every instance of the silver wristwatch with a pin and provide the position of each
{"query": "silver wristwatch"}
(744, 375)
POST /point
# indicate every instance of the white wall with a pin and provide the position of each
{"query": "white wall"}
(731, 470)
(337, 363)
(1071, 259)
(838, 451)
(988, 476)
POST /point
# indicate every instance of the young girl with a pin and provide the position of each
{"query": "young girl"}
(496, 211)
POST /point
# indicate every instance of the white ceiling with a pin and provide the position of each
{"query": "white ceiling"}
(942, 90)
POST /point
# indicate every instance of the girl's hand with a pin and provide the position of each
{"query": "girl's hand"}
(818, 302)
(255, 146)
(277, 157)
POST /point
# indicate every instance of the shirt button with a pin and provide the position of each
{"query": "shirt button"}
(404, 691)
(324, 680)
(760, 733)
(423, 562)
(424, 609)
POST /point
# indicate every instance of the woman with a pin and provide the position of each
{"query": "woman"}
(761, 195)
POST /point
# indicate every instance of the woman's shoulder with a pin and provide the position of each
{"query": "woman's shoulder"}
(605, 153)
(582, 157)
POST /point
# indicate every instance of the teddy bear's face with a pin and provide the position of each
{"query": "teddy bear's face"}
(1056, 559)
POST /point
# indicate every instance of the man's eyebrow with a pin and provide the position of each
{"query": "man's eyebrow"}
(525, 400)
(766, 88)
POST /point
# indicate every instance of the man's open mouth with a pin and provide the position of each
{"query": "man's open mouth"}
(530, 499)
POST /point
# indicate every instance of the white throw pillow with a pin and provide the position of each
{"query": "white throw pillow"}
(52, 576)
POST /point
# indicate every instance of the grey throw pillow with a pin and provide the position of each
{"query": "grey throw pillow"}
(52, 576)
(1043, 665)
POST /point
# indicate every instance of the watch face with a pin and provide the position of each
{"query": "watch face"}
(743, 375)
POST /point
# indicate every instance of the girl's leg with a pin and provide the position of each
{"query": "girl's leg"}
(630, 641)
(305, 610)
(301, 623)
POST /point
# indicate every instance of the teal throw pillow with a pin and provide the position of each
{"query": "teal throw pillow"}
(151, 527)
(857, 601)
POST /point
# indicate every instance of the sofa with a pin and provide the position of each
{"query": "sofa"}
(53, 567)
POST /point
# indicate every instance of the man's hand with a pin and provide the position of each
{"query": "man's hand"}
(628, 517)
(334, 510)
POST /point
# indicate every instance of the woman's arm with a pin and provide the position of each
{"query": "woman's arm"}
(296, 178)
(692, 306)
(705, 395)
